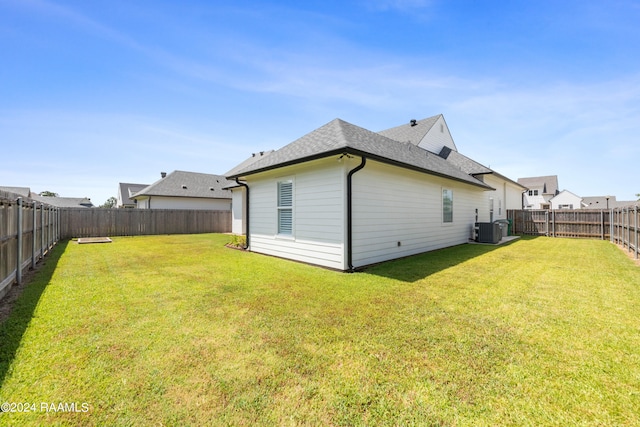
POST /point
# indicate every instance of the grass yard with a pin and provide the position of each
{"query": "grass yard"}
(179, 330)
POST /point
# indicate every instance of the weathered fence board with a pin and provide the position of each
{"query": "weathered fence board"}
(83, 222)
(28, 231)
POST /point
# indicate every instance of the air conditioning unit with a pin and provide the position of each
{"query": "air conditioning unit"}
(488, 232)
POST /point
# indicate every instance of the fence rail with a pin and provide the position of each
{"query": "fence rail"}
(30, 229)
(619, 225)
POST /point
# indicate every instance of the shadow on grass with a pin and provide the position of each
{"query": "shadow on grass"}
(14, 327)
(420, 266)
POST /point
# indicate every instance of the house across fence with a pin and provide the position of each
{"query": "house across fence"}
(30, 229)
(619, 225)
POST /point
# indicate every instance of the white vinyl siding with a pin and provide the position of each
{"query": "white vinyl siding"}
(317, 216)
(197, 203)
(398, 212)
(285, 208)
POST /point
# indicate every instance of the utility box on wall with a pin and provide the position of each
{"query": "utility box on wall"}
(488, 232)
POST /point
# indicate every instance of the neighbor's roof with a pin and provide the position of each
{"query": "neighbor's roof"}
(64, 202)
(413, 134)
(20, 191)
(188, 184)
(549, 184)
(127, 190)
(338, 136)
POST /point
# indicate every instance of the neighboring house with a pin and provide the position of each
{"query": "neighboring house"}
(566, 200)
(541, 189)
(125, 191)
(606, 202)
(59, 202)
(344, 197)
(17, 191)
(64, 202)
(185, 190)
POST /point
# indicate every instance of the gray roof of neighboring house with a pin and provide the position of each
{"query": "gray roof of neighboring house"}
(188, 184)
(127, 190)
(20, 191)
(600, 202)
(408, 133)
(338, 137)
(64, 202)
(549, 184)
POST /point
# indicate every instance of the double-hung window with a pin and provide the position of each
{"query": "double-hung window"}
(285, 208)
(447, 205)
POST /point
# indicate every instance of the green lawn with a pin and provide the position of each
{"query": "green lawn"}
(179, 330)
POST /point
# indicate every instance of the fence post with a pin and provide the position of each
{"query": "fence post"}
(35, 229)
(19, 235)
(636, 229)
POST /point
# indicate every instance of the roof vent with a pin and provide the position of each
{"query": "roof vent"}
(184, 187)
(413, 122)
(212, 189)
(163, 174)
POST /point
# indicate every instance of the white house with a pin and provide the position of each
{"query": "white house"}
(346, 197)
(566, 200)
(185, 190)
(541, 189)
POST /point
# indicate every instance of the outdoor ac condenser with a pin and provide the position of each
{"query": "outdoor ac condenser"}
(488, 232)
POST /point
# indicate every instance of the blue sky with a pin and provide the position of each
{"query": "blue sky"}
(101, 92)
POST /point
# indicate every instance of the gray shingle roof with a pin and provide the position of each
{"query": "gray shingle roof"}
(549, 184)
(189, 184)
(412, 134)
(338, 137)
(20, 191)
(64, 202)
(127, 190)
(463, 162)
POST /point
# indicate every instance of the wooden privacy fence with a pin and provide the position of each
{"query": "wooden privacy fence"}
(28, 231)
(83, 222)
(620, 225)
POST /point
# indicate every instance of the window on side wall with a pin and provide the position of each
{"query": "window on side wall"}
(285, 208)
(447, 205)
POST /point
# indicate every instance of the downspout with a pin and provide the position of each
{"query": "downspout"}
(350, 213)
(242, 184)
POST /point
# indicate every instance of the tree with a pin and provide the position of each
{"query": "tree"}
(110, 203)
(49, 194)
(638, 196)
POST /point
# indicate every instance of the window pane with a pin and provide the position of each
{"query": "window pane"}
(285, 194)
(447, 206)
(285, 221)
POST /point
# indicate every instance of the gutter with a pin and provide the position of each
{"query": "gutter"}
(242, 184)
(350, 213)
